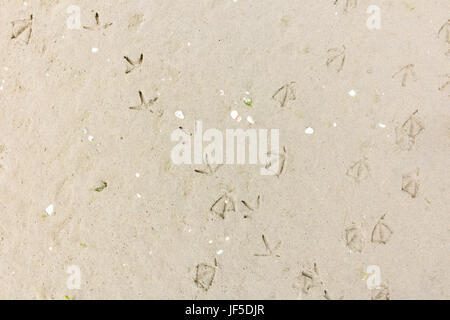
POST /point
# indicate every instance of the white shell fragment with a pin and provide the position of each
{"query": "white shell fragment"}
(50, 210)
(179, 114)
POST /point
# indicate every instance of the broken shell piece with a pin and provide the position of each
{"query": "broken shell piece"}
(50, 210)
(234, 114)
(410, 183)
(179, 114)
(381, 233)
(250, 120)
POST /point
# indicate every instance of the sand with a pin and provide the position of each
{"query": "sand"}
(93, 207)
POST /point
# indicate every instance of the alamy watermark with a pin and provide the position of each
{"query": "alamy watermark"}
(373, 280)
(74, 280)
(74, 20)
(238, 146)
(374, 20)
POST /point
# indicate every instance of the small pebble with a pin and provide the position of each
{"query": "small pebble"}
(352, 93)
(94, 50)
(309, 130)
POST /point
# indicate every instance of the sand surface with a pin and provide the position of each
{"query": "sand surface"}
(366, 181)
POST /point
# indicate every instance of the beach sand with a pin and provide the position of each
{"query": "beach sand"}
(93, 206)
